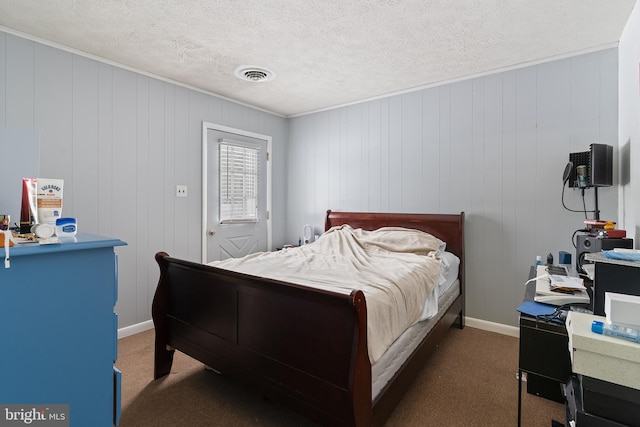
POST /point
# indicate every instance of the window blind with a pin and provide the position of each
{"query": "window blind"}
(239, 182)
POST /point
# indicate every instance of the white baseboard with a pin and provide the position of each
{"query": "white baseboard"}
(135, 329)
(492, 327)
(468, 321)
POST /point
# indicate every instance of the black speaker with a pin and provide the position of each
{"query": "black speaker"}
(601, 172)
(589, 244)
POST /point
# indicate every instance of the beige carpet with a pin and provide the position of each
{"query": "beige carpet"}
(469, 381)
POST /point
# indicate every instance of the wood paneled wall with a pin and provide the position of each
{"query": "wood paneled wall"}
(122, 141)
(494, 147)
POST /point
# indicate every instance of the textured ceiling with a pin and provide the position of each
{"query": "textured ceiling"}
(324, 53)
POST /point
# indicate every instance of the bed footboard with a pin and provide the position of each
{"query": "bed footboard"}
(304, 347)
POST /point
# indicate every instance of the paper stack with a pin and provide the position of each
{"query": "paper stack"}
(559, 290)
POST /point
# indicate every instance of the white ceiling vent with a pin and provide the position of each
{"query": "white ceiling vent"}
(251, 73)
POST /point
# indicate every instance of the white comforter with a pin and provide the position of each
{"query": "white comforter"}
(396, 268)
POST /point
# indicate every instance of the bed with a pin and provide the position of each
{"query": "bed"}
(304, 347)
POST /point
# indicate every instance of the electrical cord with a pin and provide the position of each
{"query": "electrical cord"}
(573, 236)
(584, 204)
(558, 315)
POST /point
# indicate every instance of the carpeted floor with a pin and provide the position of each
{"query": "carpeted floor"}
(469, 381)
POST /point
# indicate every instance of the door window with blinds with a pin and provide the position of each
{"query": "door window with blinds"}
(239, 182)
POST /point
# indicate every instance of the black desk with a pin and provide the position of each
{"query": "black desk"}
(593, 402)
(544, 354)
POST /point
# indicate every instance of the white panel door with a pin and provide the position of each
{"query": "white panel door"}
(222, 239)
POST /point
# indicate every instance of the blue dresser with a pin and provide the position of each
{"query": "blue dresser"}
(58, 329)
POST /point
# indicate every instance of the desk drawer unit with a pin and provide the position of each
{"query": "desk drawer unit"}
(544, 355)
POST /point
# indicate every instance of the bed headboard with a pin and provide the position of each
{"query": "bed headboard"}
(447, 227)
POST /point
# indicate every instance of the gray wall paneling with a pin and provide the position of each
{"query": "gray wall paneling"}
(122, 141)
(20, 72)
(629, 90)
(19, 157)
(3, 78)
(493, 146)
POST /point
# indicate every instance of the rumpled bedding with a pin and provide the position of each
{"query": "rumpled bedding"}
(396, 269)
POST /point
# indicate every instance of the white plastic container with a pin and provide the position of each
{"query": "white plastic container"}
(49, 200)
(66, 227)
(43, 231)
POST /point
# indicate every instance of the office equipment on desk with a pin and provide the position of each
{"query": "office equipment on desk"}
(622, 309)
(589, 169)
(558, 270)
(535, 309)
(545, 293)
(543, 347)
(604, 389)
(593, 402)
(611, 275)
(589, 271)
(596, 165)
(566, 283)
(616, 233)
(600, 356)
(587, 244)
(564, 258)
(617, 331)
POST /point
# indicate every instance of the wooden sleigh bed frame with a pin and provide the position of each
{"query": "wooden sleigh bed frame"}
(303, 347)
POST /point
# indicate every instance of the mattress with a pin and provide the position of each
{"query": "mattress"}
(393, 359)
